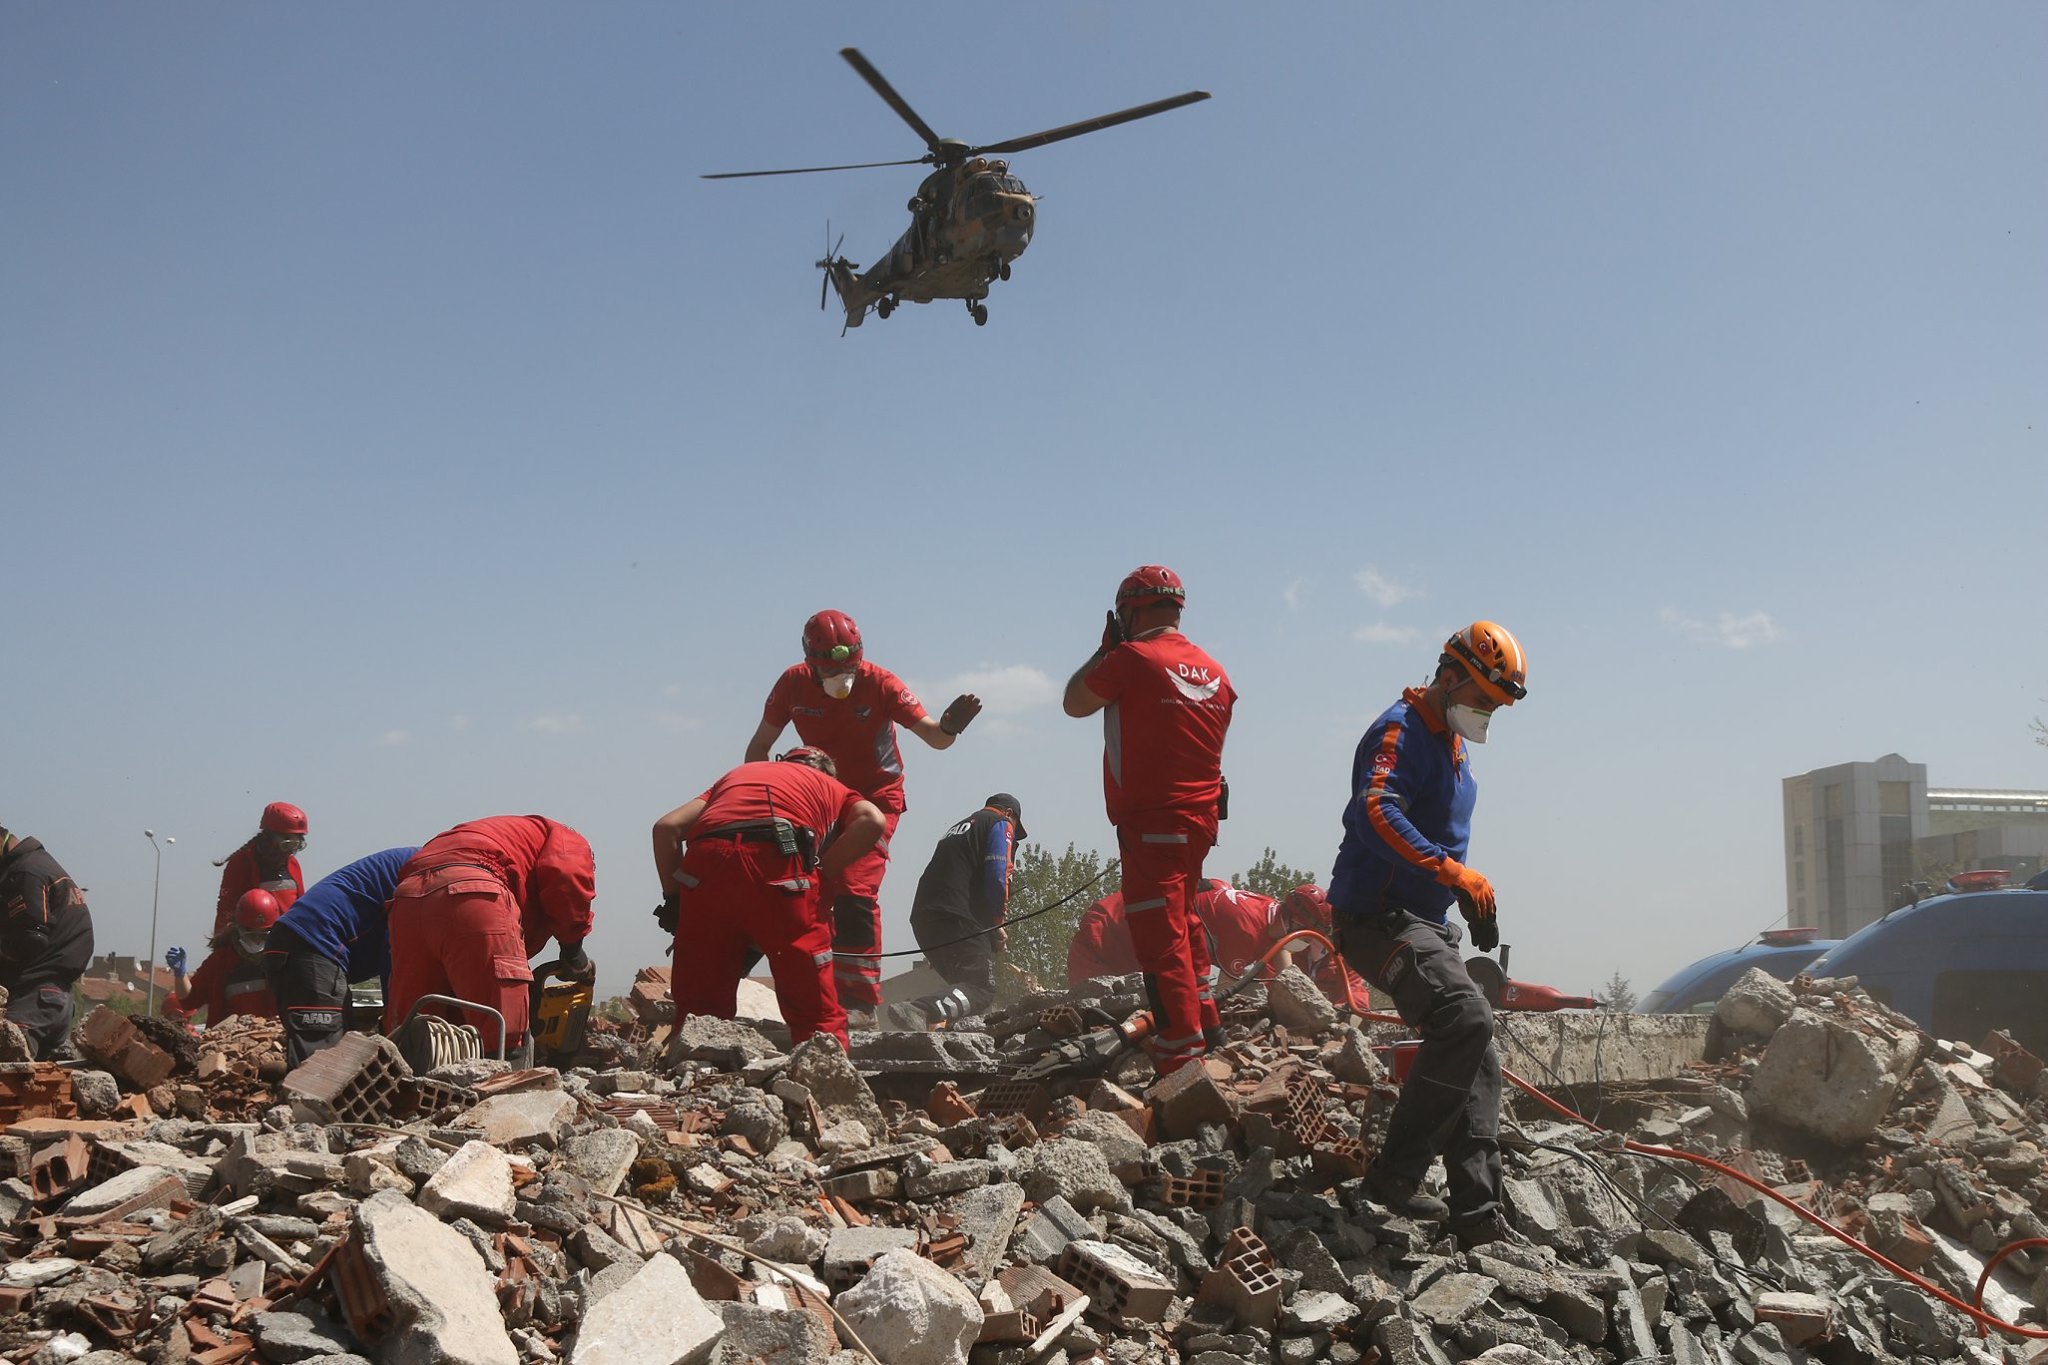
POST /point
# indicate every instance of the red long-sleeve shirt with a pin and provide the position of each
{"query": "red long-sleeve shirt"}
(547, 866)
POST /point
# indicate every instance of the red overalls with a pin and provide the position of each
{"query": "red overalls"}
(1162, 770)
(859, 731)
(474, 905)
(736, 888)
(226, 983)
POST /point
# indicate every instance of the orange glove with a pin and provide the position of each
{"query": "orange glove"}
(1474, 892)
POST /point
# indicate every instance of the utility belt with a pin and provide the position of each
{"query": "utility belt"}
(787, 838)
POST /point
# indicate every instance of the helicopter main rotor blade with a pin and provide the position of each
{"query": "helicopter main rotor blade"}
(813, 170)
(889, 96)
(1093, 125)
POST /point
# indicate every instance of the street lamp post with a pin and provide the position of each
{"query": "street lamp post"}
(155, 887)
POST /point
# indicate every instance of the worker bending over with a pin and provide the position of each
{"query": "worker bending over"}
(334, 934)
(45, 942)
(741, 866)
(475, 904)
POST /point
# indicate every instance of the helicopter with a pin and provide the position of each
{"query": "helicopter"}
(969, 219)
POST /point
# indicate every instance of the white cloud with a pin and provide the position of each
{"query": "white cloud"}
(566, 724)
(1381, 633)
(1382, 589)
(1293, 594)
(1004, 691)
(391, 739)
(1727, 629)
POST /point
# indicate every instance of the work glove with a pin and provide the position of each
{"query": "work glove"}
(1112, 632)
(960, 713)
(174, 958)
(668, 914)
(1475, 902)
(574, 963)
(1485, 933)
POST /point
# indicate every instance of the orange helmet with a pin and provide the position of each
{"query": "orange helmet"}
(256, 911)
(1493, 658)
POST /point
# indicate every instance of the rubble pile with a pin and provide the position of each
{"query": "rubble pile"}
(1019, 1191)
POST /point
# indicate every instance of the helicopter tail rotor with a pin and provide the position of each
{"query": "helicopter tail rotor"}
(832, 257)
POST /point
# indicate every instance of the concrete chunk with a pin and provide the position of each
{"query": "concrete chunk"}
(1756, 1006)
(525, 1118)
(1073, 1170)
(600, 1159)
(656, 1318)
(476, 1182)
(1829, 1078)
(442, 1301)
(910, 1312)
(1298, 1004)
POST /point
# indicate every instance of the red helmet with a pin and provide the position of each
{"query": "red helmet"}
(831, 637)
(811, 758)
(1494, 659)
(1149, 583)
(282, 817)
(1306, 907)
(256, 911)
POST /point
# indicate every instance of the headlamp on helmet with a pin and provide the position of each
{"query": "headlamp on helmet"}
(1492, 658)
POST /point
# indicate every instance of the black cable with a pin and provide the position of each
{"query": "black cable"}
(997, 928)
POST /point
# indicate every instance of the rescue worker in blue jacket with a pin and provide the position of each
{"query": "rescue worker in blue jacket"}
(334, 934)
(957, 914)
(1401, 866)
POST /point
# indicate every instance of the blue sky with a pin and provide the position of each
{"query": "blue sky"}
(395, 424)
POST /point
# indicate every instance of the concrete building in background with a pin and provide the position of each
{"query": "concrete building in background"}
(1856, 834)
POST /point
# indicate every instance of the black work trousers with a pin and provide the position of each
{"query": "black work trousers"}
(968, 967)
(311, 990)
(39, 988)
(1450, 1103)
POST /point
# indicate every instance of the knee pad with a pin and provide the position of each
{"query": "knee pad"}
(853, 922)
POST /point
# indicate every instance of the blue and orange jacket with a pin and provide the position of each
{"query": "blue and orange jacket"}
(1412, 792)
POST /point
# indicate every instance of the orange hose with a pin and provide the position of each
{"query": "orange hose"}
(1985, 1321)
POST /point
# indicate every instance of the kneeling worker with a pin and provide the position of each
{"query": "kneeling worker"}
(760, 842)
(334, 934)
(958, 913)
(230, 981)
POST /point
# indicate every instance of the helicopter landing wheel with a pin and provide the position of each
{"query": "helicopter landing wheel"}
(884, 307)
(980, 312)
(1003, 271)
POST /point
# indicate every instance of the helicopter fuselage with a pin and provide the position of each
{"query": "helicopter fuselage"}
(972, 220)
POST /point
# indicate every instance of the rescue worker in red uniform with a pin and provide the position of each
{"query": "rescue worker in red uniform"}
(1306, 907)
(475, 904)
(268, 860)
(850, 708)
(1166, 707)
(231, 979)
(742, 866)
(1240, 927)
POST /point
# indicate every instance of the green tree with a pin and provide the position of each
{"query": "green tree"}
(1617, 994)
(1037, 948)
(1270, 877)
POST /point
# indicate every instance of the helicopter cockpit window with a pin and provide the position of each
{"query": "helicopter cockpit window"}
(1013, 184)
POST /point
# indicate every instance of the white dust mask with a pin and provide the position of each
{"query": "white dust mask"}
(838, 686)
(1468, 721)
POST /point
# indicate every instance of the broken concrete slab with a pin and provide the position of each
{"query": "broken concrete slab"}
(656, 1318)
(1756, 1005)
(536, 1118)
(600, 1159)
(1603, 1047)
(909, 1312)
(1829, 1077)
(1071, 1170)
(440, 1299)
(476, 1182)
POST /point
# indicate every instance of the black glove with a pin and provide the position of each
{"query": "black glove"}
(1485, 933)
(668, 914)
(574, 963)
(1112, 632)
(960, 713)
